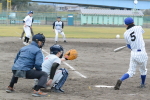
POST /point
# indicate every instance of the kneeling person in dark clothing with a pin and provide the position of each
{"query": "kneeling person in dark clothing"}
(28, 58)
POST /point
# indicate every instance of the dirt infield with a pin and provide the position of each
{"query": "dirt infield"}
(96, 61)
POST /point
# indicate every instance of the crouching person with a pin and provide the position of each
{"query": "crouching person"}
(57, 77)
(29, 58)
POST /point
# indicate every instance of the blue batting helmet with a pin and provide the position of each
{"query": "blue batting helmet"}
(128, 21)
(55, 49)
(30, 12)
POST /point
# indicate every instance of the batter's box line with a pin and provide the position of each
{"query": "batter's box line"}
(72, 68)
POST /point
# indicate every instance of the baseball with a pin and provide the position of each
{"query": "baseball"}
(117, 36)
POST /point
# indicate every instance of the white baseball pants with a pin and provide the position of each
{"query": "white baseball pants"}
(138, 59)
(60, 32)
(56, 79)
(27, 31)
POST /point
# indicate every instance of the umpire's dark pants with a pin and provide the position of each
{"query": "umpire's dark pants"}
(24, 33)
(32, 74)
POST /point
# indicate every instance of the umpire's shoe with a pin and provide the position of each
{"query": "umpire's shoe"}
(9, 89)
(39, 94)
(53, 89)
(118, 84)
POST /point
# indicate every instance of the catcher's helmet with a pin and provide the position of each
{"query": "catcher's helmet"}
(128, 21)
(55, 49)
(39, 37)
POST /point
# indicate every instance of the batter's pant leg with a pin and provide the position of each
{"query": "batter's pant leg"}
(56, 35)
(22, 34)
(132, 67)
(143, 63)
(40, 75)
(63, 35)
(142, 68)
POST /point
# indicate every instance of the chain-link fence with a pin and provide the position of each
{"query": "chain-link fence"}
(40, 18)
(47, 18)
(146, 23)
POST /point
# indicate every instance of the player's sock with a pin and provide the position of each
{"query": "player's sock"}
(27, 40)
(125, 76)
(143, 78)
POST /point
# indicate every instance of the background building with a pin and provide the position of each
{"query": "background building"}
(109, 17)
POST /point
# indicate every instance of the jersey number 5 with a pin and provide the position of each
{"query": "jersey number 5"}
(133, 37)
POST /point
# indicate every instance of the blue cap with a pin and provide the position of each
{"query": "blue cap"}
(59, 17)
(30, 12)
(38, 37)
(128, 21)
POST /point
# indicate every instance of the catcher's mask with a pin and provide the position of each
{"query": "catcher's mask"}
(39, 37)
(55, 49)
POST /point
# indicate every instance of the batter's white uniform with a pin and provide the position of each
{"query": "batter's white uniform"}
(134, 37)
(28, 22)
(46, 67)
(58, 26)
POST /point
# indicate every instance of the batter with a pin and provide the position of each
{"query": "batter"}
(135, 42)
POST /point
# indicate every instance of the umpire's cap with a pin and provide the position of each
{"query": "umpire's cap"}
(39, 37)
(128, 21)
(55, 49)
(30, 12)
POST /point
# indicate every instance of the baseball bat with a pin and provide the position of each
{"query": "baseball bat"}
(119, 49)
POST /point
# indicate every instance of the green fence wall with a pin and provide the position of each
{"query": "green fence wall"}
(108, 20)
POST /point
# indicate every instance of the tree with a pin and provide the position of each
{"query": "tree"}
(147, 12)
(16, 4)
(41, 8)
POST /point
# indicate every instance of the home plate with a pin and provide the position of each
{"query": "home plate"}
(103, 86)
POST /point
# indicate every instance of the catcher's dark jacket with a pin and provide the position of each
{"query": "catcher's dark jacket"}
(29, 57)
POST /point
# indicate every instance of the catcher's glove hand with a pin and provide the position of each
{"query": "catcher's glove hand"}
(71, 54)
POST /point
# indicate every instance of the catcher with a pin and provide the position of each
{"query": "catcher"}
(57, 77)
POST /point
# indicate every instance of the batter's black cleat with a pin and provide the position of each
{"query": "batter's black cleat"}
(142, 86)
(65, 41)
(118, 84)
(53, 89)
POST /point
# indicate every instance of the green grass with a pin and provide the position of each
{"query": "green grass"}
(71, 31)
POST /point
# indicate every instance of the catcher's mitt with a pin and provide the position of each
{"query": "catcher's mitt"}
(71, 54)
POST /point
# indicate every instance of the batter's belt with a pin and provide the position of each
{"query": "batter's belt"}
(138, 50)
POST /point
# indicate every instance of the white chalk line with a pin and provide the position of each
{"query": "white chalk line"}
(69, 66)
(103, 86)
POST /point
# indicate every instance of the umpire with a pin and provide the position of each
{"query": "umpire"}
(28, 58)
